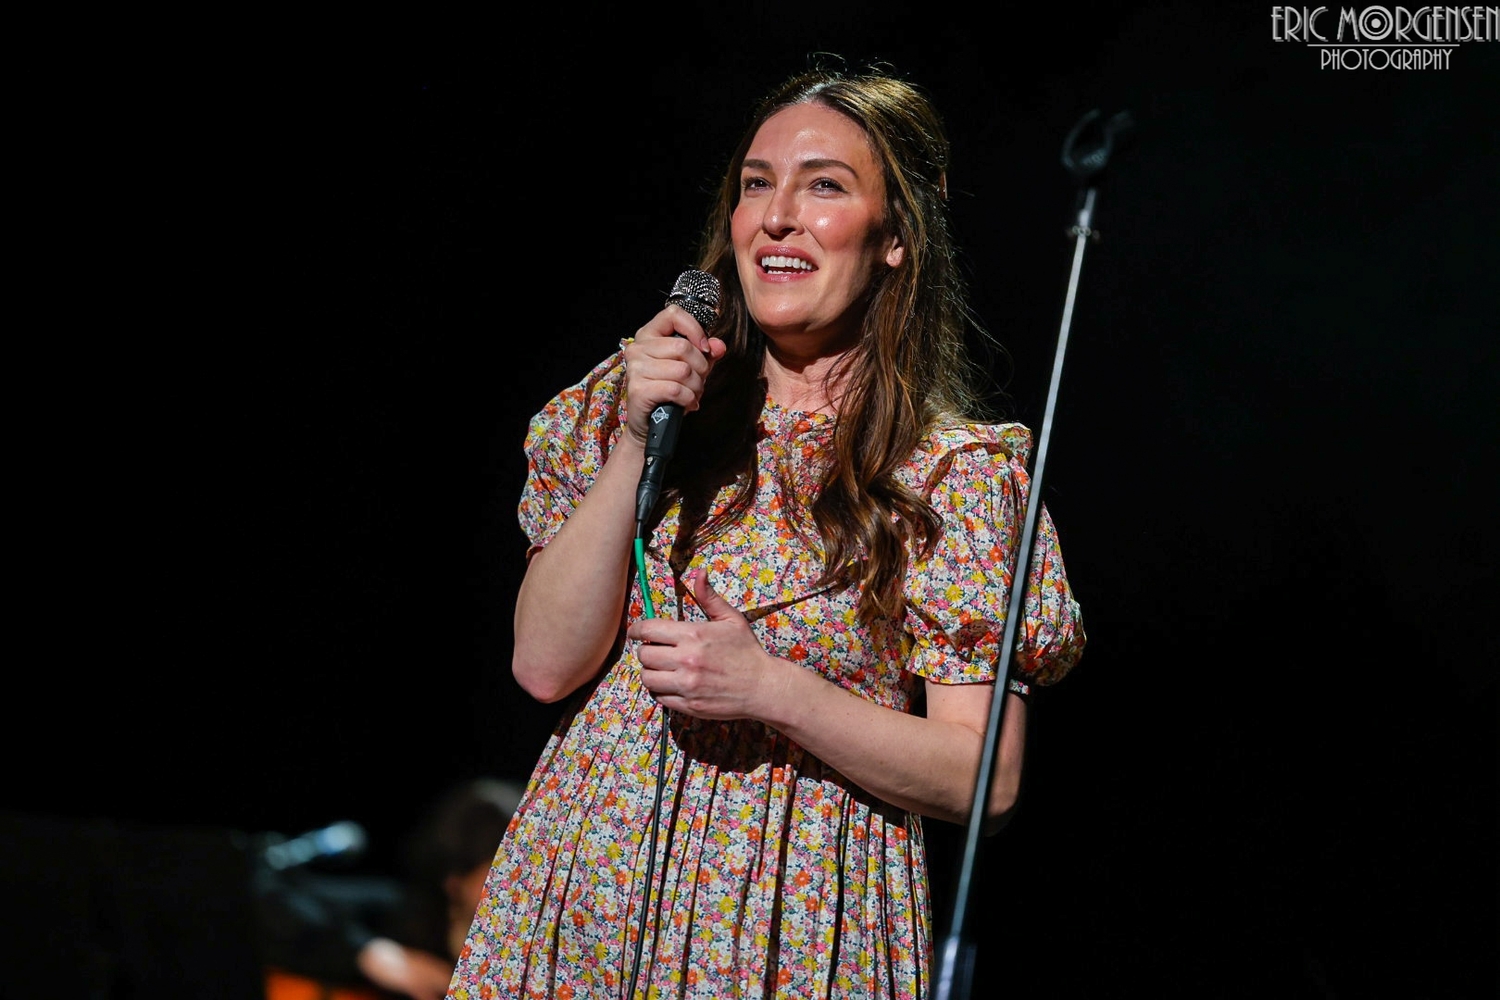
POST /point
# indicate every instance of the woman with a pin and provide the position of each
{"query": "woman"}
(828, 572)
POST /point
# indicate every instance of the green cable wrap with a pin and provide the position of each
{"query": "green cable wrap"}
(640, 564)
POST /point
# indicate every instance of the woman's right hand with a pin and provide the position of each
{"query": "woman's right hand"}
(667, 362)
(568, 613)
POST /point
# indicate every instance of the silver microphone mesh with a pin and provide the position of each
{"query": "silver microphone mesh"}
(698, 293)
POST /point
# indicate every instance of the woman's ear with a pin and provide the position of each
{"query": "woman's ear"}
(896, 254)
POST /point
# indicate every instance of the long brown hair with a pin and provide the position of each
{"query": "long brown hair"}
(910, 372)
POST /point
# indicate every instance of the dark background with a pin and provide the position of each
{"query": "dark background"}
(327, 284)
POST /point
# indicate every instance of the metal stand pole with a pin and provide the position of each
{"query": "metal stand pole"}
(1084, 158)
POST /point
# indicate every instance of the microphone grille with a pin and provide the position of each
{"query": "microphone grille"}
(698, 293)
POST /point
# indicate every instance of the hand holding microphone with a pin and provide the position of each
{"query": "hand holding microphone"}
(697, 293)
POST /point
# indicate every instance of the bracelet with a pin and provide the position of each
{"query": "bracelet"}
(1017, 687)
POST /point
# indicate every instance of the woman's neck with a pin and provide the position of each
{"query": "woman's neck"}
(809, 384)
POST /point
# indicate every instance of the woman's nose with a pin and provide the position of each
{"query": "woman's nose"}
(781, 214)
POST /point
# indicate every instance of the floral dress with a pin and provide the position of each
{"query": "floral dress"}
(771, 874)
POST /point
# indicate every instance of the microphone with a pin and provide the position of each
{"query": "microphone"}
(698, 293)
(1088, 146)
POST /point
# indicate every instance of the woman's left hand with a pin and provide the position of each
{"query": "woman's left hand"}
(712, 670)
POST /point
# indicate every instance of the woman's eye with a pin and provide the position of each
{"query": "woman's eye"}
(827, 184)
(751, 183)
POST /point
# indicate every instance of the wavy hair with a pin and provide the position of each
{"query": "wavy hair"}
(909, 372)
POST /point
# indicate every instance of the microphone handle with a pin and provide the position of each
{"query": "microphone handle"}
(661, 444)
(666, 422)
(661, 440)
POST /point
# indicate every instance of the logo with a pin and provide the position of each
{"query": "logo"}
(1385, 38)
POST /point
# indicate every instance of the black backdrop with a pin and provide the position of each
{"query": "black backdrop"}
(330, 283)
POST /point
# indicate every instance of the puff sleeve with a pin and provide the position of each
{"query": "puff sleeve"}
(957, 599)
(566, 445)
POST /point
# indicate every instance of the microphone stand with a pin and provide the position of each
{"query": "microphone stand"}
(1085, 155)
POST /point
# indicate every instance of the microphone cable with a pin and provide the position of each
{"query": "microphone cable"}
(698, 293)
(661, 781)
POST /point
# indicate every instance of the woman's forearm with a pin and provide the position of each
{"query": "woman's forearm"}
(927, 765)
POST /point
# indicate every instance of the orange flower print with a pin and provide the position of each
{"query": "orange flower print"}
(754, 821)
